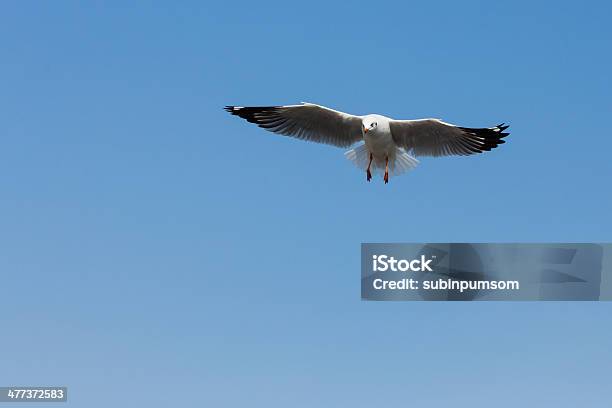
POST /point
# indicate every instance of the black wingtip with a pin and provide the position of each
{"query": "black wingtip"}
(263, 116)
(502, 127)
(484, 139)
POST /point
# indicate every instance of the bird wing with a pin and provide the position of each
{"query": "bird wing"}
(306, 121)
(432, 137)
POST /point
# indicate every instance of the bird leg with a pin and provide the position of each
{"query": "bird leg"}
(369, 173)
(386, 169)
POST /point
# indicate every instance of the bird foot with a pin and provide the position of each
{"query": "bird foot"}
(386, 178)
(369, 175)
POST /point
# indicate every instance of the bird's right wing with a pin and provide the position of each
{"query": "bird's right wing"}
(306, 121)
(432, 137)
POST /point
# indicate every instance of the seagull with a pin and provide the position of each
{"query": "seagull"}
(384, 143)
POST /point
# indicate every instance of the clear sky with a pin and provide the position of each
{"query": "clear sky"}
(156, 251)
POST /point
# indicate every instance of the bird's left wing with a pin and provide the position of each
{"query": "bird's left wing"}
(306, 121)
(432, 137)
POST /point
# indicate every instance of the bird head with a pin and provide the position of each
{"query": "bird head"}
(369, 123)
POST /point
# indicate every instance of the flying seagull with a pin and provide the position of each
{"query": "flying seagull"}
(385, 143)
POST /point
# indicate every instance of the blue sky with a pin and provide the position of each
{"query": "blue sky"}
(158, 252)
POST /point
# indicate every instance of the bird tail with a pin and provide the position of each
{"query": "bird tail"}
(403, 162)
